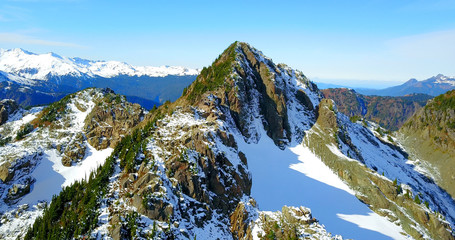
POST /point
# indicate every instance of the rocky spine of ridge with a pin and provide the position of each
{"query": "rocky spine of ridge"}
(110, 120)
(242, 78)
(110, 117)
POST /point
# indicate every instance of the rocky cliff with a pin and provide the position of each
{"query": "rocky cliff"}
(389, 112)
(430, 136)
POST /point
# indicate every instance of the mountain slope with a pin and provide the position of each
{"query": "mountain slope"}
(52, 147)
(430, 136)
(246, 138)
(389, 112)
(55, 76)
(433, 86)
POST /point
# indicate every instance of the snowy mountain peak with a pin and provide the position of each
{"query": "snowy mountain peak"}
(253, 86)
(442, 79)
(17, 51)
(22, 63)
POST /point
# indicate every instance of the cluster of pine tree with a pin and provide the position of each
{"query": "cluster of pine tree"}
(72, 213)
(214, 76)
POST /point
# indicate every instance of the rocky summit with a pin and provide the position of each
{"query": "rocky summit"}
(251, 150)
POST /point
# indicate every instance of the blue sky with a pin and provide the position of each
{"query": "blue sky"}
(362, 42)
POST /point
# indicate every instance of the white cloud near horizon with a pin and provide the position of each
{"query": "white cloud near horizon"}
(17, 38)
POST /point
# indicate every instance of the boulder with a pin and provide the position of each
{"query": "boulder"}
(6, 173)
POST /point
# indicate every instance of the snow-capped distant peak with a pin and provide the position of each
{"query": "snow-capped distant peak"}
(24, 64)
(441, 79)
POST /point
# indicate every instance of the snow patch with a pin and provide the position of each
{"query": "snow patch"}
(375, 222)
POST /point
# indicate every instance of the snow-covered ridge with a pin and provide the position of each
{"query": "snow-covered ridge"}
(43, 171)
(444, 79)
(24, 64)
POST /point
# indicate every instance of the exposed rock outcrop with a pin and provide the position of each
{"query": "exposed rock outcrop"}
(7, 107)
(110, 120)
(5, 173)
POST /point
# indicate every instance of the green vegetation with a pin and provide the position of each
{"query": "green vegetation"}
(451, 125)
(26, 129)
(443, 101)
(390, 138)
(397, 186)
(53, 112)
(355, 118)
(379, 130)
(214, 76)
(130, 226)
(4, 141)
(129, 148)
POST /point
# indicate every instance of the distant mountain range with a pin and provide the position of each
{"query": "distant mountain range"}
(433, 86)
(32, 79)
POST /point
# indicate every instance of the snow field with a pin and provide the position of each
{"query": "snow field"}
(297, 177)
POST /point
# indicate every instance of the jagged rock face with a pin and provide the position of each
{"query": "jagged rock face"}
(193, 158)
(74, 151)
(291, 223)
(7, 107)
(253, 86)
(19, 189)
(241, 227)
(110, 120)
(269, 86)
